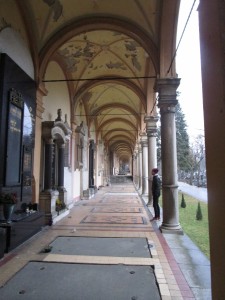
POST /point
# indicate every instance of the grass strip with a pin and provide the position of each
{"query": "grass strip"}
(197, 230)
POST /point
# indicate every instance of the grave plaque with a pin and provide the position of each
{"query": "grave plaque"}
(14, 138)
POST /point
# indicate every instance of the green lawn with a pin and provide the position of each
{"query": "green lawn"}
(196, 230)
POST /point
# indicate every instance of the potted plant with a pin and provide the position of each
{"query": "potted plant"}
(8, 200)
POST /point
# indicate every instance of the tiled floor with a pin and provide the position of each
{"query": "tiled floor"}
(115, 211)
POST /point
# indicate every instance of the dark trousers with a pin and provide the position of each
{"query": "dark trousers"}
(156, 207)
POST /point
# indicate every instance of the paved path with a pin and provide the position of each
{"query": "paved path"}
(194, 191)
(111, 229)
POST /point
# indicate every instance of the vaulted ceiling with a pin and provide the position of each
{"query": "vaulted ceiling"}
(110, 51)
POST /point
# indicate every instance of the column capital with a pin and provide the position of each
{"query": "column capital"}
(139, 148)
(136, 148)
(144, 139)
(151, 127)
(167, 89)
(135, 152)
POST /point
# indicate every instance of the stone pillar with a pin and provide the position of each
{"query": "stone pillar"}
(61, 148)
(135, 175)
(212, 44)
(48, 165)
(61, 188)
(41, 92)
(91, 164)
(144, 144)
(167, 87)
(134, 170)
(139, 167)
(151, 130)
(46, 195)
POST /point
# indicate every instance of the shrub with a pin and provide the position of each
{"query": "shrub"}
(199, 212)
(183, 203)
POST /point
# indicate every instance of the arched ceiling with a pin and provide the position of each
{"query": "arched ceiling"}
(115, 100)
(109, 52)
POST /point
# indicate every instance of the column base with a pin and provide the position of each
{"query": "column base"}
(174, 229)
(89, 193)
(144, 197)
(63, 195)
(47, 202)
(57, 217)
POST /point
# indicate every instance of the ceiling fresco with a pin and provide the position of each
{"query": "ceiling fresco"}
(103, 52)
(114, 107)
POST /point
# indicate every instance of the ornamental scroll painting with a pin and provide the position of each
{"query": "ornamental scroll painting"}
(14, 138)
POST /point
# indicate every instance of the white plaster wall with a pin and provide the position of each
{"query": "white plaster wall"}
(76, 184)
(67, 184)
(14, 46)
(58, 96)
(99, 180)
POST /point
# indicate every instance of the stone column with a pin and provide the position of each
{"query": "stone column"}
(61, 188)
(91, 164)
(41, 92)
(167, 87)
(135, 173)
(151, 130)
(134, 167)
(48, 165)
(46, 195)
(61, 148)
(144, 144)
(139, 167)
(212, 42)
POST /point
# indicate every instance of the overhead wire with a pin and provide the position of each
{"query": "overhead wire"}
(114, 130)
(99, 78)
(100, 114)
(185, 26)
(175, 53)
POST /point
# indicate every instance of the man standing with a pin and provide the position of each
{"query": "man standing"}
(156, 183)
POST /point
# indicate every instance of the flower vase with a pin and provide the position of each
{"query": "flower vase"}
(7, 211)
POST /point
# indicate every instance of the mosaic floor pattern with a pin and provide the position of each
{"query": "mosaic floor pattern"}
(114, 219)
(116, 210)
(120, 201)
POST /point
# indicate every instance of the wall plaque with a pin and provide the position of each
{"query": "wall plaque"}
(14, 138)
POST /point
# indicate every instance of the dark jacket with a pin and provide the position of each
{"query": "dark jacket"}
(156, 185)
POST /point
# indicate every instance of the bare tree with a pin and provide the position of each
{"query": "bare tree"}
(197, 153)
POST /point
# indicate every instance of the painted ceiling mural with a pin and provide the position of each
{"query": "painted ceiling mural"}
(114, 108)
(103, 50)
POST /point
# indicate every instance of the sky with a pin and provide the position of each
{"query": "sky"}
(188, 68)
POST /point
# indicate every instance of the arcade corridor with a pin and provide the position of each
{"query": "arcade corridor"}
(83, 88)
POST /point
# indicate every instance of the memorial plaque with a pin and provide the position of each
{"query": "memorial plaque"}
(14, 139)
(17, 129)
(27, 166)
